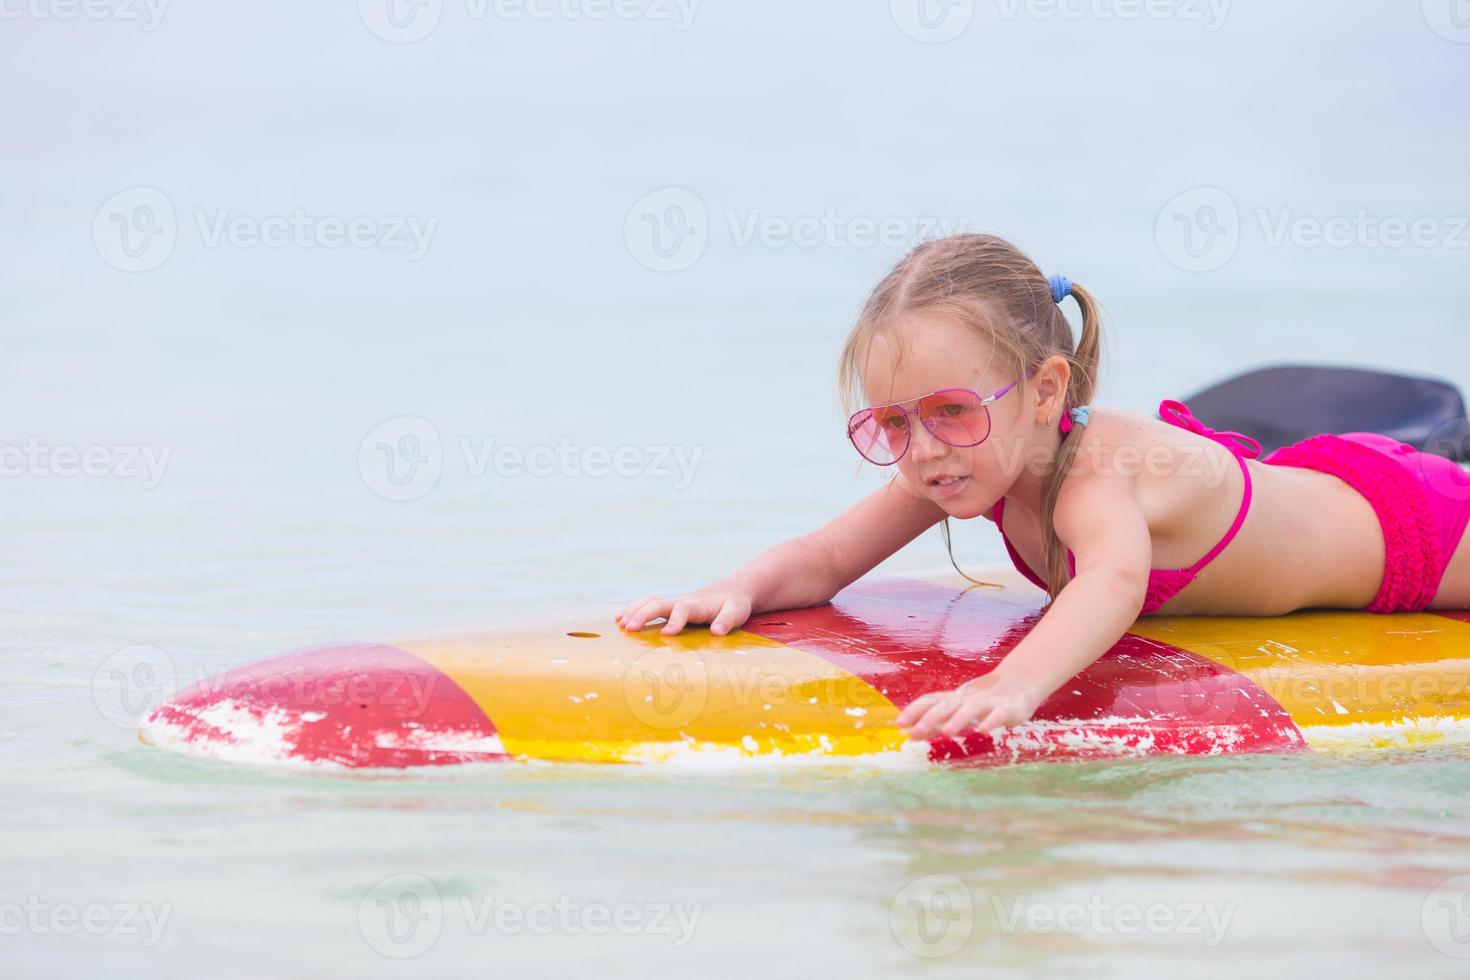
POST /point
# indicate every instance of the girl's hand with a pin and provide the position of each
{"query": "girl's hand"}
(724, 609)
(981, 705)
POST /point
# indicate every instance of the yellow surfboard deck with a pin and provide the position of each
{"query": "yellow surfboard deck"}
(826, 684)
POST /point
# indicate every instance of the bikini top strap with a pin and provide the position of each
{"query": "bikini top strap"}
(1178, 414)
(1242, 446)
(1016, 558)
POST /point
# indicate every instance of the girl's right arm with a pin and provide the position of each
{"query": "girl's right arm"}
(804, 571)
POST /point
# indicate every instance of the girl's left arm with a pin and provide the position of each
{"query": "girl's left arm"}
(1100, 517)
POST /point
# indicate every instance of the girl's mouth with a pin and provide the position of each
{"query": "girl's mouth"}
(947, 486)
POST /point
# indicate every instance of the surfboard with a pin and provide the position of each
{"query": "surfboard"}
(825, 684)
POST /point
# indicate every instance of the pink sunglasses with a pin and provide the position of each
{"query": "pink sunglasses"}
(955, 416)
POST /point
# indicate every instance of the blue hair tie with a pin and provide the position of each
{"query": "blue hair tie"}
(1075, 417)
(1061, 287)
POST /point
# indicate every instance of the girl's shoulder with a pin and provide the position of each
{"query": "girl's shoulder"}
(1109, 436)
(1172, 474)
(1117, 438)
(1121, 451)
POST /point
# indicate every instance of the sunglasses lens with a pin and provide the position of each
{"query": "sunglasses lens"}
(880, 434)
(955, 417)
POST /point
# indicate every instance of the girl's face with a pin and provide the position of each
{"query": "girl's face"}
(927, 354)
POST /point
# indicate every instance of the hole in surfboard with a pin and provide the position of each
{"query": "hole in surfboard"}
(584, 635)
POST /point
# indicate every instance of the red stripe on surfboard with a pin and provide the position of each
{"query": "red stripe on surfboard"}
(1463, 615)
(907, 637)
(361, 704)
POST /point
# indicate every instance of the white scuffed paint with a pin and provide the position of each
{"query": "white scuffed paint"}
(256, 735)
(1402, 733)
(1106, 737)
(438, 740)
(267, 736)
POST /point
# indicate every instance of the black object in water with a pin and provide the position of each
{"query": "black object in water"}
(1277, 406)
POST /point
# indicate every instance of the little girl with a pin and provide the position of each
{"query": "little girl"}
(978, 395)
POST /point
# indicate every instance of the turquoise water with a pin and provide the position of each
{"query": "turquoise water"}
(523, 180)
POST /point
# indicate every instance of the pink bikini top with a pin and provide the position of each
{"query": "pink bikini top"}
(1163, 583)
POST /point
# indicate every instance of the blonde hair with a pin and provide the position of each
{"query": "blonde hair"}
(990, 286)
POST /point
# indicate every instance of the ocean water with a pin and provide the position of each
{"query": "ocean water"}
(247, 246)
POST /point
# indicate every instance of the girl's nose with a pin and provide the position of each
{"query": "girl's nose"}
(923, 446)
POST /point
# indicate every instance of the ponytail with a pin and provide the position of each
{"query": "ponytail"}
(1081, 384)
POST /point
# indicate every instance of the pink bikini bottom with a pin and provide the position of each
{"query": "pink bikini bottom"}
(1422, 502)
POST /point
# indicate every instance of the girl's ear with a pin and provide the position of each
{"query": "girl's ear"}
(1050, 384)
